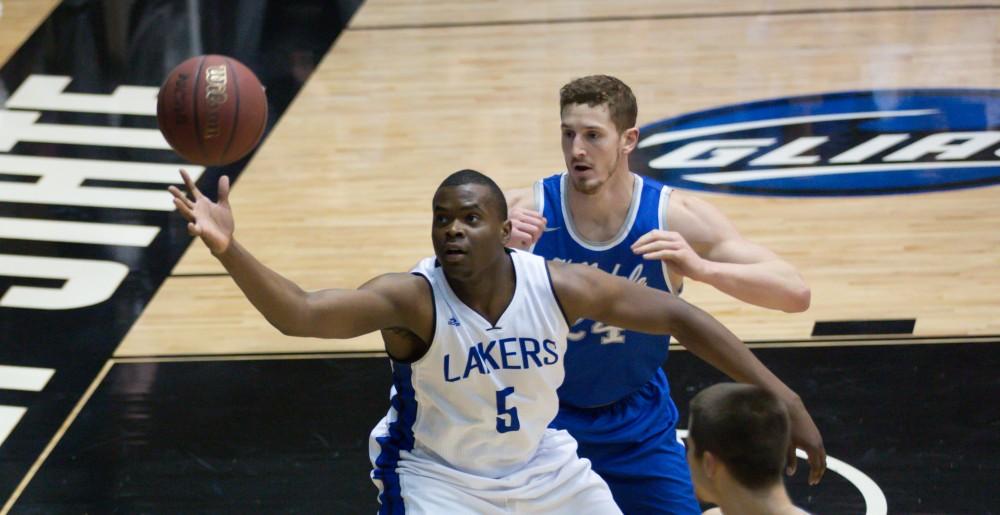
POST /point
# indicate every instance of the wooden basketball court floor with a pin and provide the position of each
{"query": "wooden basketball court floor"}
(410, 91)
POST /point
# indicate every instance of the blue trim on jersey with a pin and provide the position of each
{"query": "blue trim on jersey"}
(400, 439)
(605, 364)
(434, 320)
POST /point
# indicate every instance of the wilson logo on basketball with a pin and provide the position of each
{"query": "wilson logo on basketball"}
(215, 96)
(854, 143)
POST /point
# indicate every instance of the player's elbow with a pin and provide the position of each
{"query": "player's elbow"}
(288, 328)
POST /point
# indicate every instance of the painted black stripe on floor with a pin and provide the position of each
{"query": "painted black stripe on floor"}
(856, 327)
(76, 331)
(291, 436)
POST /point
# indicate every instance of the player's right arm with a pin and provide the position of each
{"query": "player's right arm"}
(527, 224)
(586, 292)
(385, 301)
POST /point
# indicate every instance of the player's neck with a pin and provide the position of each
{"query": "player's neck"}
(598, 216)
(771, 501)
(490, 290)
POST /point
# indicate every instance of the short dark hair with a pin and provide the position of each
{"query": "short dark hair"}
(746, 427)
(467, 176)
(595, 90)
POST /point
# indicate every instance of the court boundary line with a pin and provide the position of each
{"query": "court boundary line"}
(180, 358)
(688, 16)
(753, 344)
(67, 422)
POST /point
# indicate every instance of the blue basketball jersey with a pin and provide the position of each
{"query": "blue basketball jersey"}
(606, 363)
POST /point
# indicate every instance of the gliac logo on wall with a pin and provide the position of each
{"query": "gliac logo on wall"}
(854, 143)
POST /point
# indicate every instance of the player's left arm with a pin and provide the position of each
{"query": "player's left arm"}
(704, 245)
(586, 292)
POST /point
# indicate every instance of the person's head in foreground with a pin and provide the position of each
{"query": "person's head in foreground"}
(738, 438)
(470, 225)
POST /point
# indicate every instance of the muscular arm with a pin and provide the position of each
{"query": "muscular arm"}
(586, 292)
(589, 293)
(383, 302)
(731, 263)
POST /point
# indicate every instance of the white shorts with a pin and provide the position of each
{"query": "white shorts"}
(555, 481)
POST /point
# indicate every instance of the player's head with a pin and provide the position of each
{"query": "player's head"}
(737, 433)
(470, 225)
(598, 115)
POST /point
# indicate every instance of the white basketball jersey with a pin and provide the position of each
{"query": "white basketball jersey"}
(482, 397)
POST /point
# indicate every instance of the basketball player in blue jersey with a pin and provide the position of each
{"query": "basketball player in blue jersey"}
(475, 377)
(615, 399)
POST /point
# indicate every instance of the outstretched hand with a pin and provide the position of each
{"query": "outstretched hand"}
(806, 436)
(210, 221)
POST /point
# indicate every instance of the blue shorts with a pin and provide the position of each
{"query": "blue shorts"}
(633, 445)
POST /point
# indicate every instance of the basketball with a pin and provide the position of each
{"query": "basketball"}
(212, 110)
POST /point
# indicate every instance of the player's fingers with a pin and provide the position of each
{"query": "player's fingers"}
(655, 235)
(792, 463)
(817, 465)
(534, 231)
(179, 195)
(516, 234)
(654, 246)
(184, 209)
(520, 230)
(192, 189)
(194, 230)
(661, 255)
(535, 225)
(224, 189)
(528, 215)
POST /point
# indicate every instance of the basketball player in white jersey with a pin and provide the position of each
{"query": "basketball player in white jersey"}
(475, 380)
(737, 441)
(616, 394)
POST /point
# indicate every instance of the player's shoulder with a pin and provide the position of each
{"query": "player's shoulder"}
(425, 266)
(399, 286)
(521, 197)
(695, 217)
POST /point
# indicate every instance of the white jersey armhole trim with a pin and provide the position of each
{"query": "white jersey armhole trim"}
(664, 207)
(434, 323)
(598, 246)
(555, 296)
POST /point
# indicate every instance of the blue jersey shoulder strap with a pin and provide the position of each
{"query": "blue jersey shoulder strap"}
(606, 363)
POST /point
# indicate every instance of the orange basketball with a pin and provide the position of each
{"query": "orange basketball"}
(212, 110)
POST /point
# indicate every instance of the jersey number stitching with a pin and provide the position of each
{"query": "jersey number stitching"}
(503, 425)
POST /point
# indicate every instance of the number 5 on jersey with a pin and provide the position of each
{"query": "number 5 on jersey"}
(503, 424)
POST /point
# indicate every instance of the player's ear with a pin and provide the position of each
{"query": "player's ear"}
(710, 464)
(630, 138)
(505, 231)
